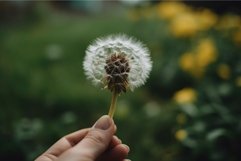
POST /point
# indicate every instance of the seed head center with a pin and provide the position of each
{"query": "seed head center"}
(117, 70)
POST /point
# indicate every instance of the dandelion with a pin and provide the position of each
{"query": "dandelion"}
(118, 63)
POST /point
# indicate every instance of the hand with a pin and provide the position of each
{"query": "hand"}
(93, 144)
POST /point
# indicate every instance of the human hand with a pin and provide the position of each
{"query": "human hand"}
(92, 144)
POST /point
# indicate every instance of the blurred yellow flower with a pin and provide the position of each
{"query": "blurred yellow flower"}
(206, 19)
(237, 36)
(186, 95)
(184, 20)
(184, 25)
(206, 52)
(223, 71)
(238, 81)
(196, 61)
(181, 134)
(228, 22)
(187, 62)
(168, 10)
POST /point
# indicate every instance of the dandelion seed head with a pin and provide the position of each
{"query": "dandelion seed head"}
(117, 62)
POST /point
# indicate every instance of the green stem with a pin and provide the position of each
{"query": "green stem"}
(113, 104)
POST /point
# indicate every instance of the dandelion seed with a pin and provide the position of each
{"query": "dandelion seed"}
(118, 63)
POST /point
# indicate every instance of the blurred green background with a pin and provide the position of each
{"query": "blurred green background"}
(189, 109)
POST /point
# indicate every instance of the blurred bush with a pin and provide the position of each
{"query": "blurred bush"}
(188, 110)
(196, 73)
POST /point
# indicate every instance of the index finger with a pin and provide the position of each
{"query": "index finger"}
(67, 142)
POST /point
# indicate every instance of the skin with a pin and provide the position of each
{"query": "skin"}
(90, 144)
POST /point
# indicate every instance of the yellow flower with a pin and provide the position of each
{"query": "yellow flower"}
(168, 10)
(237, 36)
(181, 134)
(206, 19)
(229, 22)
(186, 95)
(184, 25)
(196, 61)
(188, 63)
(188, 23)
(238, 81)
(206, 52)
(223, 71)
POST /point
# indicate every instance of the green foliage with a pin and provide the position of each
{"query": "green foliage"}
(188, 110)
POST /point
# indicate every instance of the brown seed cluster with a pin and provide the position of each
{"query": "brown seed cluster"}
(117, 69)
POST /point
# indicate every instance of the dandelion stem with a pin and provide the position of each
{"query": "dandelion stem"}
(113, 104)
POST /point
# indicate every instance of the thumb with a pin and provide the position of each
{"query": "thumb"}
(98, 138)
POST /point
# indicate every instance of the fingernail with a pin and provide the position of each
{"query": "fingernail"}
(103, 123)
(127, 147)
(119, 140)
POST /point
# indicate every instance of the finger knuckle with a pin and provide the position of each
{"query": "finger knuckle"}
(96, 137)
